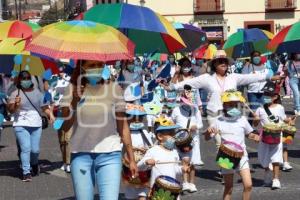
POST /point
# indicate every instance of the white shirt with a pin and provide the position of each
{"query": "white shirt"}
(233, 130)
(27, 115)
(137, 139)
(254, 69)
(159, 154)
(277, 111)
(181, 120)
(216, 87)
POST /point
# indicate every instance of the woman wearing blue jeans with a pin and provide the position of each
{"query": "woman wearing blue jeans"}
(293, 68)
(96, 111)
(26, 103)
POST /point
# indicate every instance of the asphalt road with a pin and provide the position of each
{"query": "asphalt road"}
(55, 184)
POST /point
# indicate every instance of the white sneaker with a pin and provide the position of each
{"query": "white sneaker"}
(276, 184)
(286, 166)
(286, 97)
(185, 186)
(193, 188)
(63, 167)
(68, 169)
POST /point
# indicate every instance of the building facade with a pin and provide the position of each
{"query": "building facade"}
(221, 18)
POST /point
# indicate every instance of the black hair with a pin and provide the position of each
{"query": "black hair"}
(213, 66)
(254, 52)
(184, 59)
(21, 76)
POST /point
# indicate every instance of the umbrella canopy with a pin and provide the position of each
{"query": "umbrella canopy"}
(287, 40)
(206, 52)
(147, 29)
(34, 26)
(15, 29)
(192, 36)
(13, 46)
(243, 42)
(35, 65)
(81, 40)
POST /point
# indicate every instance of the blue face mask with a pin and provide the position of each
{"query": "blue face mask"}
(134, 126)
(194, 61)
(26, 84)
(137, 63)
(234, 112)
(200, 62)
(267, 99)
(94, 75)
(130, 68)
(256, 60)
(169, 143)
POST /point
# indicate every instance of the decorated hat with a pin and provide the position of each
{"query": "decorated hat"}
(133, 92)
(134, 109)
(165, 124)
(220, 54)
(232, 95)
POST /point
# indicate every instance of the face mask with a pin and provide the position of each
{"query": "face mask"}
(137, 63)
(26, 84)
(186, 69)
(256, 60)
(194, 62)
(200, 62)
(169, 143)
(136, 126)
(147, 78)
(130, 68)
(171, 60)
(267, 99)
(165, 111)
(94, 75)
(234, 112)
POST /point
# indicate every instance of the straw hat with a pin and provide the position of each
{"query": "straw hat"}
(220, 54)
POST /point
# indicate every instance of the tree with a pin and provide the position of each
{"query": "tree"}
(52, 15)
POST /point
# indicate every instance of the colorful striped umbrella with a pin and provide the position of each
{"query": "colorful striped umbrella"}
(34, 26)
(287, 40)
(13, 46)
(243, 42)
(15, 29)
(35, 65)
(206, 52)
(192, 36)
(81, 40)
(147, 29)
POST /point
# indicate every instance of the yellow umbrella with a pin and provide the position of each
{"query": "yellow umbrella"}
(13, 46)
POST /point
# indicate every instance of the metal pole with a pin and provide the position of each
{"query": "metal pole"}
(16, 9)
(1, 11)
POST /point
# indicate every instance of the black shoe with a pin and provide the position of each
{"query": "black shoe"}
(27, 178)
(35, 170)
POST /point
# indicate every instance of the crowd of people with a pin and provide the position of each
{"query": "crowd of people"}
(140, 122)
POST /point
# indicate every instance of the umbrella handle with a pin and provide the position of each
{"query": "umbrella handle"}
(247, 106)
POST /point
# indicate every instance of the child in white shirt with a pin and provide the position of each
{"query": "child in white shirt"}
(163, 158)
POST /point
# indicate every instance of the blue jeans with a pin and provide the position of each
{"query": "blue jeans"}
(294, 83)
(105, 168)
(203, 96)
(29, 140)
(255, 100)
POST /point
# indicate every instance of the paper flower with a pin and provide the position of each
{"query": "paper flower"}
(225, 163)
(162, 194)
(287, 140)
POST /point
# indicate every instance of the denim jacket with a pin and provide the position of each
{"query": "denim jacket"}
(292, 73)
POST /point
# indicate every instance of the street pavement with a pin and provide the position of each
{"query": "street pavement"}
(55, 184)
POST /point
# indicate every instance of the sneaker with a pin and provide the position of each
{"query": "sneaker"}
(27, 178)
(35, 170)
(276, 184)
(68, 169)
(185, 186)
(192, 187)
(63, 167)
(286, 166)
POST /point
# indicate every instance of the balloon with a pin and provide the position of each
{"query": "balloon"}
(27, 68)
(47, 97)
(18, 59)
(106, 73)
(47, 74)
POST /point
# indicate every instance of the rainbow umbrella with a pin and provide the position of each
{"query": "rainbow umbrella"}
(15, 29)
(205, 52)
(243, 42)
(287, 40)
(81, 40)
(13, 46)
(147, 29)
(34, 26)
(192, 36)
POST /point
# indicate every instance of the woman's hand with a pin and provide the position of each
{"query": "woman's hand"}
(254, 137)
(133, 169)
(150, 162)
(193, 129)
(210, 132)
(17, 101)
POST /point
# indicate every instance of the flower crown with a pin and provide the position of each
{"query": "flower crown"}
(232, 95)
